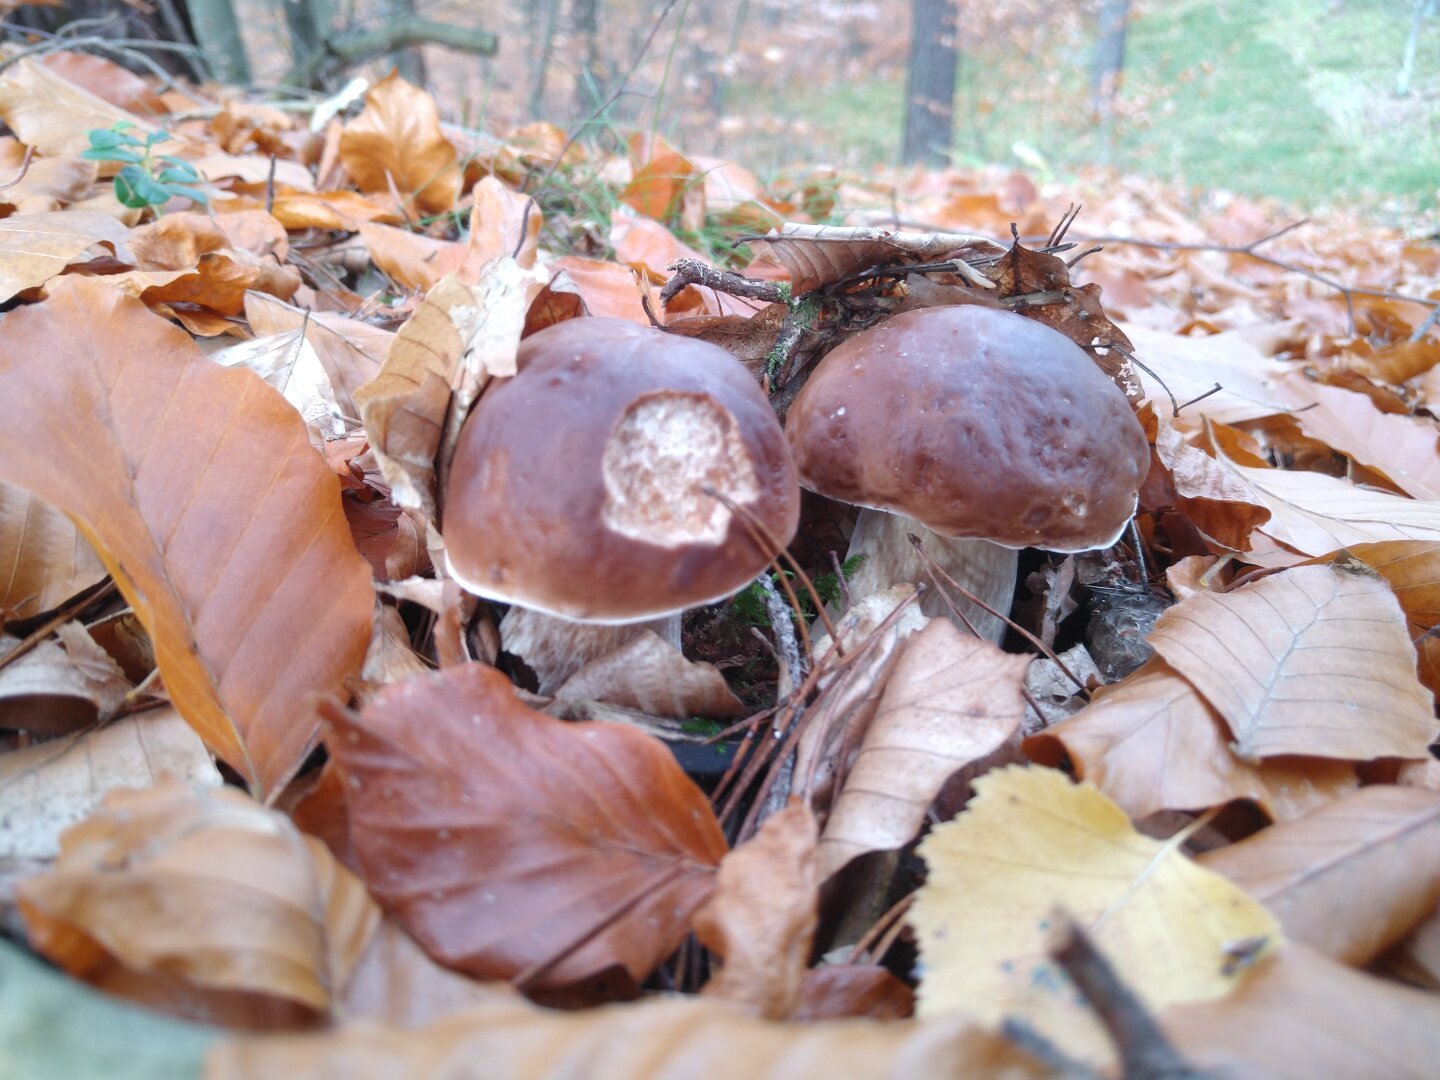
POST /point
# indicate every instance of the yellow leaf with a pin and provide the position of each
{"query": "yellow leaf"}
(1031, 842)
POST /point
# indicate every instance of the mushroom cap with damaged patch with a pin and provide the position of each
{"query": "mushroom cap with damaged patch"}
(578, 485)
(977, 423)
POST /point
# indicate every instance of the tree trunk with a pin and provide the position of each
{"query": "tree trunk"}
(1107, 70)
(218, 33)
(930, 83)
(542, 44)
(409, 62)
(1407, 62)
(590, 81)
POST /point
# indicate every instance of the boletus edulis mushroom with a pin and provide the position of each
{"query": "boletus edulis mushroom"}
(977, 423)
(586, 485)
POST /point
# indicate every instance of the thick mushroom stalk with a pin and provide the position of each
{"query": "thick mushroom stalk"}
(585, 486)
(977, 423)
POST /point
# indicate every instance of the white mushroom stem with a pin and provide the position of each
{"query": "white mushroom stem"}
(556, 648)
(987, 570)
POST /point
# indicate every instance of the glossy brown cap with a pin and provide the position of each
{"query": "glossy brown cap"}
(577, 487)
(976, 423)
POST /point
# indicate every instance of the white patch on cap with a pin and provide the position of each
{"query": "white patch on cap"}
(667, 448)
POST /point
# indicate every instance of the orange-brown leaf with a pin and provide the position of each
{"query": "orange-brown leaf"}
(397, 141)
(509, 842)
(199, 487)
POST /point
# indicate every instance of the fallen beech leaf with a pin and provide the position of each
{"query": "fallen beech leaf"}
(607, 288)
(1412, 567)
(646, 245)
(1191, 366)
(168, 895)
(1313, 661)
(458, 338)
(36, 247)
(552, 849)
(1031, 842)
(338, 210)
(352, 352)
(1316, 514)
(951, 700)
(1299, 1016)
(412, 260)
(396, 141)
(49, 183)
(107, 80)
(649, 674)
(288, 364)
(59, 687)
(48, 112)
(555, 649)
(761, 920)
(1152, 743)
(1351, 877)
(254, 173)
(818, 255)
(503, 224)
(196, 484)
(49, 561)
(46, 788)
(834, 991)
(1405, 448)
(1220, 504)
(656, 1039)
(662, 184)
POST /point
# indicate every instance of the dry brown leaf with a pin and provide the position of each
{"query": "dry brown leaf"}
(503, 224)
(458, 338)
(1404, 448)
(1351, 877)
(55, 116)
(36, 247)
(762, 918)
(195, 484)
(339, 210)
(60, 686)
(662, 185)
(649, 674)
(107, 80)
(48, 183)
(818, 255)
(1152, 743)
(555, 649)
(647, 246)
(194, 901)
(835, 991)
(512, 843)
(413, 261)
(1301, 1016)
(46, 788)
(607, 289)
(658, 1039)
(1191, 366)
(49, 561)
(1031, 843)
(951, 700)
(1220, 504)
(1316, 514)
(1314, 661)
(1412, 567)
(396, 143)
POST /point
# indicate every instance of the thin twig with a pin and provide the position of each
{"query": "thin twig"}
(60, 618)
(24, 168)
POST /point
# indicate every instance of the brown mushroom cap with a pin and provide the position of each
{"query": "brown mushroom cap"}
(977, 423)
(577, 486)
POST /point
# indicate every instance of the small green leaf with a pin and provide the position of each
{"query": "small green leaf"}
(180, 165)
(109, 139)
(109, 153)
(185, 191)
(156, 137)
(137, 189)
(178, 176)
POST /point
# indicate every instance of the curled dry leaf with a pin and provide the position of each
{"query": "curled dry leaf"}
(834, 991)
(1152, 743)
(49, 561)
(411, 260)
(649, 674)
(192, 901)
(46, 788)
(761, 920)
(1314, 660)
(951, 700)
(396, 142)
(48, 112)
(37, 247)
(658, 1039)
(1351, 877)
(60, 686)
(1300, 1015)
(195, 482)
(1315, 514)
(1031, 842)
(511, 843)
(819, 255)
